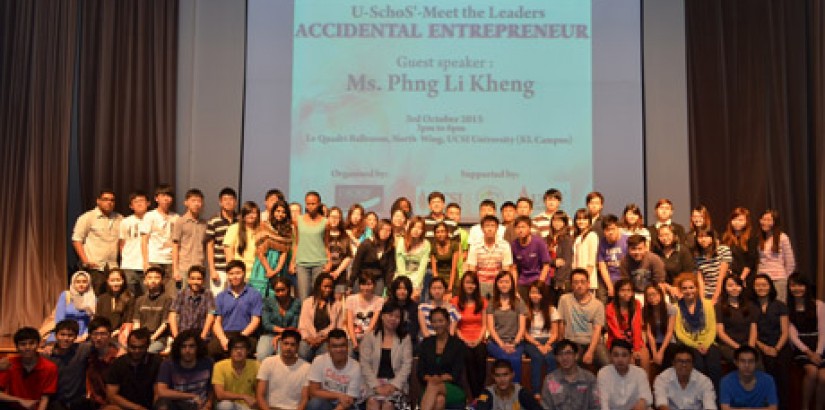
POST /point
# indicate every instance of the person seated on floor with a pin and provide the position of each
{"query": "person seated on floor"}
(237, 310)
(334, 377)
(622, 385)
(184, 379)
(71, 359)
(234, 379)
(682, 387)
(503, 394)
(104, 351)
(569, 387)
(282, 379)
(130, 381)
(29, 381)
(746, 387)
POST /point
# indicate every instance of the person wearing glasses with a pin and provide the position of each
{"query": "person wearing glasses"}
(95, 238)
(569, 387)
(503, 394)
(682, 387)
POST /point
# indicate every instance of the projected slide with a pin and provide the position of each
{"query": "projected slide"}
(470, 100)
(492, 99)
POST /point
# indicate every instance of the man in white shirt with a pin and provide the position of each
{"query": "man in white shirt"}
(282, 379)
(157, 236)
(334, 377)
(476, 235)
(623, 386)
(131, 243)
(682, 387)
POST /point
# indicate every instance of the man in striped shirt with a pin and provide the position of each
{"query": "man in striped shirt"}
(215, 231)
(552, 202)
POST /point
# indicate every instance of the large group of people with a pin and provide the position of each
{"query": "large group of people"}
(305, 306)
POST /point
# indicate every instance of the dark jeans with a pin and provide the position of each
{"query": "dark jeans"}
(475, 365)
(709, 364)
(779, 367)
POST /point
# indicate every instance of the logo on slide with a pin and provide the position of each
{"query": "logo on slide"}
(371, 197)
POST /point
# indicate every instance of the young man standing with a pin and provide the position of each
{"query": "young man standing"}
(234, 379)
(157, 236)
(682, 387)
(104, 352)
(309, 254)
(436, 201)
(611, 251)
(71, 359)
(623, 386)
(531, 258)
(188, 238)
(595, 205)
(29, 380)
(152, 310)
(508, 217)
(237, 310)
(569, 387)
(282, 379)
(490, 256)
(130, 381)
(541, 222)
(487, 207)
(215, 232)
(131, 242)
(746, 387)
(334, 377)
(583, 319)
(503, 394)
(643, 267)
(184, 381)
(664, 216)
(95, 238)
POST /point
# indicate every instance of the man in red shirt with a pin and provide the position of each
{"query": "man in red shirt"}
(30, 379)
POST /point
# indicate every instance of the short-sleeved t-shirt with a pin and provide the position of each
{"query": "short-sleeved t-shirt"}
(734, 395)
(231, 240)
(768, 326)
(363, 312)
(346, 380)
(427, 307)
(151, 311)
(131, 257)
(489, 261)
(190, 233)
(579, 318)
(529, 259)
(612, 254)
(537, 326)
(136, 382)
(507, 321)
(284, 383)
(737, 325)
(237, 312)
(224, 375)
(193, 380)
(159, 228)
(33, 385)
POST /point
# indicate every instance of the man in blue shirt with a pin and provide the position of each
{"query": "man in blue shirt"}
(747, 388)
(237, 311)
(612, 248)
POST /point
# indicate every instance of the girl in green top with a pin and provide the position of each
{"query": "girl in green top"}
(412, 254)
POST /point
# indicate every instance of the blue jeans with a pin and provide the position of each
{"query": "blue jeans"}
(536, 361)
(308, 353)
(265, 347)
(322, 404)
(305, 276)
(495, 351)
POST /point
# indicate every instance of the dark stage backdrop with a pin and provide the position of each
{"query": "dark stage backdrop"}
(756, 89)
(104, 71)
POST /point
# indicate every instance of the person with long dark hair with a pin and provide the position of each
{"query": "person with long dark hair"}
(807, 334)
(117, 305)
(361, 311)
(441, 365)
(712, 263)
(187, 375)
(542, 332)
(506, 322)
(239, 242)
(772, 330)
(472, 330)
(412, 255)
(633, 223)
(735, 318)
(273, 240)
(675, 255)
(399, 293)
(560, 245)
(320, 314)
(624, 322)
(585, 245)
(375, 256)
(339, 250)
(281, 311)
(775, 253)
(743, 242)
(386, 360)
(659, 321)
(699, 218)
(444, 256)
